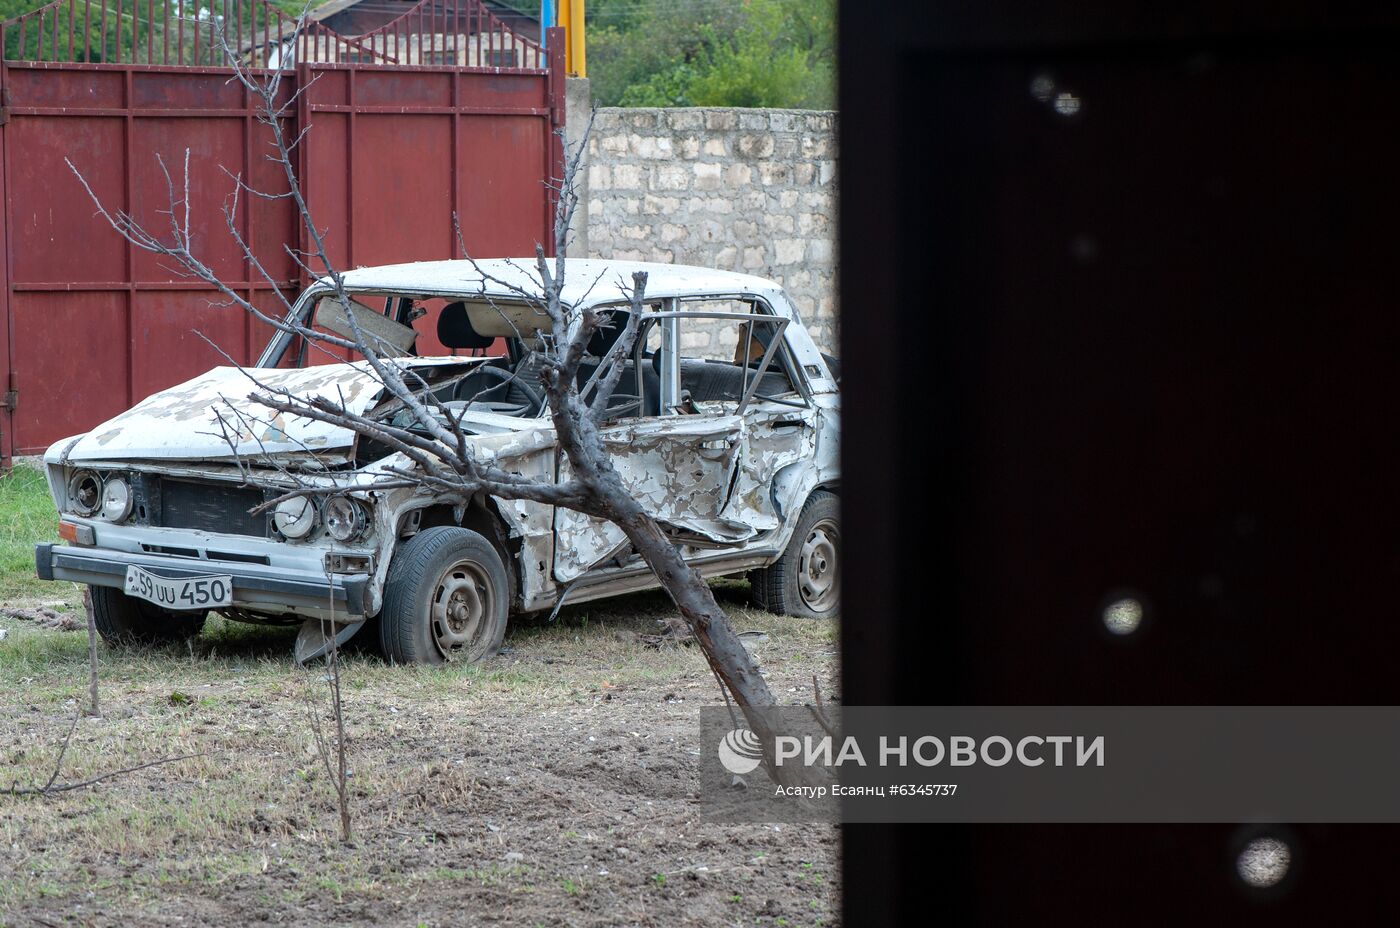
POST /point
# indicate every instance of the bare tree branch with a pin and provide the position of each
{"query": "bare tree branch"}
(51, 785)
(92, 781)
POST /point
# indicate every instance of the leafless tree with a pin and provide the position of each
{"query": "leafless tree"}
(334, 755)
(434, 443)
(94, 709)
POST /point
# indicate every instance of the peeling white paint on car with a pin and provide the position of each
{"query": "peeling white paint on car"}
(726, 484)
(184, 421)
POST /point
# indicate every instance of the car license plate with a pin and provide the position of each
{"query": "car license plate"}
(185, 593)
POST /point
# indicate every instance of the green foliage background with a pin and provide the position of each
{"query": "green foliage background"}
(713, 52)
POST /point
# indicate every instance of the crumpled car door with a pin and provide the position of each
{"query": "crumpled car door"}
(681, 469)
(775, 436)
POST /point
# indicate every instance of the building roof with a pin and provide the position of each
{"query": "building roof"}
(327, 10)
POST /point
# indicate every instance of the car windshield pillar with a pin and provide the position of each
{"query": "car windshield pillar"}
(670, 387)
(282, 339)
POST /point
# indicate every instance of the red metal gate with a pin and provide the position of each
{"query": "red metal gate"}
(92, 325)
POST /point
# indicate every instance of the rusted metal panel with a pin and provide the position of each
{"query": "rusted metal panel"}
(8, 384)
(71, 360)
(92, 326)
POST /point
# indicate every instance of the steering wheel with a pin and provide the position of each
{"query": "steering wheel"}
(506, 377)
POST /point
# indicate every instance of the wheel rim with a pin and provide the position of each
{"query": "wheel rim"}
(461, 610)
(819, 580)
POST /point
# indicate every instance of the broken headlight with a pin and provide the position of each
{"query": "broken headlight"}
(116, 499)
(85, 493)
(346, 518)
(295, 518)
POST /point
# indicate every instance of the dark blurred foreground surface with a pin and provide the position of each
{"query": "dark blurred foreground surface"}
(1119, 318)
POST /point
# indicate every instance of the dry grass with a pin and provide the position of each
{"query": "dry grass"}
(552, 785)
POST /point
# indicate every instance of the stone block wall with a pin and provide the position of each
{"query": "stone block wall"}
(736, 189)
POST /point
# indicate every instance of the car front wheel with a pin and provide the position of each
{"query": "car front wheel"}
(124, 620)
(806, 580)
(446, 599)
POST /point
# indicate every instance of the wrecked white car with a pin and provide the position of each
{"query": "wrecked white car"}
(724, 426)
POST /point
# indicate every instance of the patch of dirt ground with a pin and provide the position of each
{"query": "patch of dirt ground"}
(553, 785)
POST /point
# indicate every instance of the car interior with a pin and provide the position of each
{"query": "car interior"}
(509, 384)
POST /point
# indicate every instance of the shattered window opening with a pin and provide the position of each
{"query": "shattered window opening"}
(730, 352)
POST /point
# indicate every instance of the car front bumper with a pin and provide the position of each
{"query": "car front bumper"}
(256, 587)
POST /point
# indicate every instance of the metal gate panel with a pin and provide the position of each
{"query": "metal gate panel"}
(158, 180)
(500, 213)
(54, 240)
(209, 91)
(326, 158)
(419, 89)
(402, 173)
(389, 142)
(7, 380)
(71, 364)
(74, 278)
(168, 332)
(45, 85)
(395, 153)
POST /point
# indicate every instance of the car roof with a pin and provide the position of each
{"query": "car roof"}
(587, 281)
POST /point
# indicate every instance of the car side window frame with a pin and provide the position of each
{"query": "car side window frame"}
(777, 348)
(796, 373)
(762, 314)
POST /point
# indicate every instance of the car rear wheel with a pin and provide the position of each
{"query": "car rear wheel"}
(124, 620)
(806, 580)
(446, 599)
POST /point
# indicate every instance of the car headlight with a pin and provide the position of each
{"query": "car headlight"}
(85, 492)
(116, 499)
(345, 518)
(295, 517)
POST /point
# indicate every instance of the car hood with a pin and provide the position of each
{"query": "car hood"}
(198, 418)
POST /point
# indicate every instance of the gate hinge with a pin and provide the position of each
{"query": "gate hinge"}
(10, 399)
(4, 105)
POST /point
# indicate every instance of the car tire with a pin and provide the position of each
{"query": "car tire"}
(446, 598)
(125, 621)
(806, 580)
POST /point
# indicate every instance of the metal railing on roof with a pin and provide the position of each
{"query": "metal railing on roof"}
(201, 33)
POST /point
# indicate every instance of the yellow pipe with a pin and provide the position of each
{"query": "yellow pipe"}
(575, 59)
